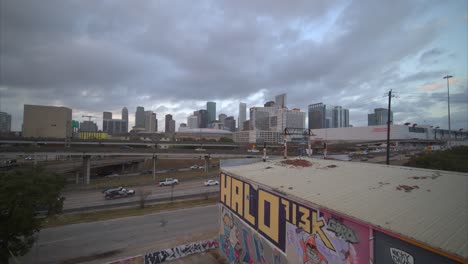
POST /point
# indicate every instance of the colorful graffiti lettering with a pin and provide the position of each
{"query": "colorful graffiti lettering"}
(268, 212)
(180, 251)
(262, 226)
(342, 231)
(310, 249)
(241, 244)
(401, 257)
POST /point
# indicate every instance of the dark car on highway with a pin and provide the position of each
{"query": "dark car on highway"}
(118, 193)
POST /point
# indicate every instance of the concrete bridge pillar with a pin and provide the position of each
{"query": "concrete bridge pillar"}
(207, 163)
(86, 168)
(154, 166)
(77, 177)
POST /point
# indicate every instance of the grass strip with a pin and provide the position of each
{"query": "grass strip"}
(75, 218)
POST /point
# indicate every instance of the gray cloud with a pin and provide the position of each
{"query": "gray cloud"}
(431, 56)
(170, 56)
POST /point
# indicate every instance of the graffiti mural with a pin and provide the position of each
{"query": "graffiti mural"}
(310, 249)
(401, 257)
(260, 226)
(180, 251)
(239, 243)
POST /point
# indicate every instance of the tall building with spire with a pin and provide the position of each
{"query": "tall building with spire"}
(125, 116)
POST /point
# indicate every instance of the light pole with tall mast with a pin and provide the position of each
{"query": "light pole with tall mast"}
(448, 104)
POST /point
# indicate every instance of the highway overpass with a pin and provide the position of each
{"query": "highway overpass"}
(87, 156)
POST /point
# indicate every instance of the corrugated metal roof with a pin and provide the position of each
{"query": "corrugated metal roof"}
(434, 212)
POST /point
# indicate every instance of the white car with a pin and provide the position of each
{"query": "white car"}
(168, 182)
(194, 167)
(200, 149)
(211, 183)
(253, 150)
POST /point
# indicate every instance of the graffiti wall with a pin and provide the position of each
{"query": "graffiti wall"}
(170, 253)
(180, 251)
(258, 226)
(239, 243)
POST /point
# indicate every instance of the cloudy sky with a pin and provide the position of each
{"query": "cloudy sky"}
(173, 56)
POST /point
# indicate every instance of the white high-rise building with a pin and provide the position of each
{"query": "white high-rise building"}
(242, 115)
(294, 118)
(340, 117)
(150, 121)
(192, 121)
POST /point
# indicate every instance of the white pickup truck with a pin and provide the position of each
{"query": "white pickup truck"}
(168, 182)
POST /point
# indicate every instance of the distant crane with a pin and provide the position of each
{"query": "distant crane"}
(88, 116)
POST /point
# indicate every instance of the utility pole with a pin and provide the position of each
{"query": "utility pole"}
(448, 104)
(388, 124)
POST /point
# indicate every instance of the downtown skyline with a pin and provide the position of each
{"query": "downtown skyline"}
(336, 52)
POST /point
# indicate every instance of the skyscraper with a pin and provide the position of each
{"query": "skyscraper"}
(317, 116)
(140, 117)
(280, 100)
(340, 117)
(151, 123)
(294, 118)
(242, 115)
(5, 122)
(327, 116)
(125, 116)
(261, 118)
(203, 118)
(192, 121)
(221, 118)
(379, 117)
(170, 126)
(230, 124)
(211, 108)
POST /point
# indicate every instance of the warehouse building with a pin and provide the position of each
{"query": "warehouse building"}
(379, 133)
(323, 211)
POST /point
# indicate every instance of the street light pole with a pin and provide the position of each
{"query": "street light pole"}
(448, 104)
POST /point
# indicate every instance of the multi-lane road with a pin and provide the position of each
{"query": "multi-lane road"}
(99, 242)
(89, 199)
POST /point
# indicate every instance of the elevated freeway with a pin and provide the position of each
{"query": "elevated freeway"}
(118, 143)
(116, 157)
